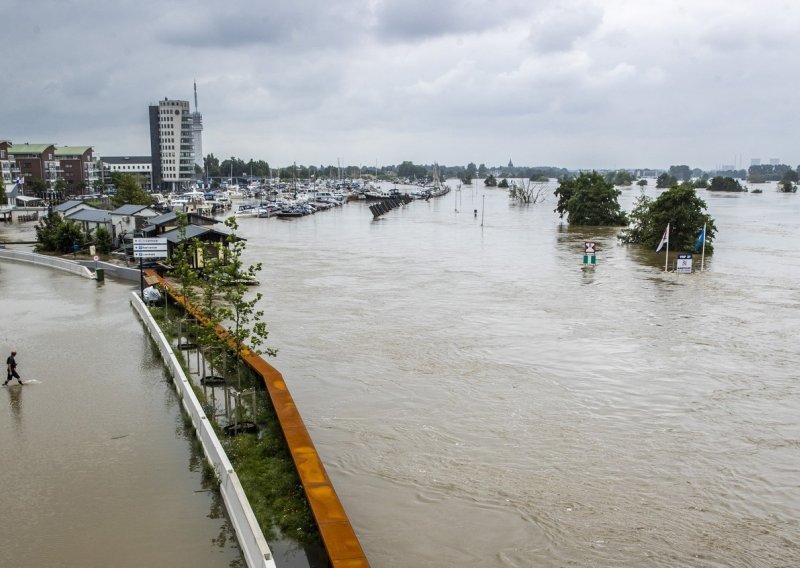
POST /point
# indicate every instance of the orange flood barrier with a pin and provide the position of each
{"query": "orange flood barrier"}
(338, 536)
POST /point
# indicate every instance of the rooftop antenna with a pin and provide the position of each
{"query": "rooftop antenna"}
(195, 95)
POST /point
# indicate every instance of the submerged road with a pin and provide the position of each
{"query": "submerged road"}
(98, 467)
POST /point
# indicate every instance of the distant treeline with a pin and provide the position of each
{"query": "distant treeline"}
(238, 168)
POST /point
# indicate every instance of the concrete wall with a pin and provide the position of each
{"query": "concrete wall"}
(44, 260)
(254, 546)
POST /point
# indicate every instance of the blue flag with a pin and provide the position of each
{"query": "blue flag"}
(700, 239)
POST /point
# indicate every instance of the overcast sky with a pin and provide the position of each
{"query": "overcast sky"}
(572, 83)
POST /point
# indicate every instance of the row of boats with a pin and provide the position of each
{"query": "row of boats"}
(283, 202)
(294, 205)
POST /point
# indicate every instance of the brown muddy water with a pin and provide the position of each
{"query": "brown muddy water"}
(98, 469)
(481, 400)
(477, 397)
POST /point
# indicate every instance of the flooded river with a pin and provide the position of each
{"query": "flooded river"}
(480, 400)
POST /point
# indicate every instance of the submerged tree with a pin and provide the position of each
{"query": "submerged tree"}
(666, 180)
(620, 177)
(527, 194)
(589, 199)
(720, 183)
(681, 209)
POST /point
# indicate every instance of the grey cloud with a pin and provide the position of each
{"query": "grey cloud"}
(423, 19)
(303, 24)
(557, 29)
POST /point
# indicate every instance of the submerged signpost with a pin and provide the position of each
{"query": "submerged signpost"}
(684, 264)
(148, 248)
(589, 249)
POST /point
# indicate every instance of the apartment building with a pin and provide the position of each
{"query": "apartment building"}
(77, 168)
(35, 162)
(171, 145)
(7, 167)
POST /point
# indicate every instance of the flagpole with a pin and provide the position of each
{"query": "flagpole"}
(666, 260)
(703, 256)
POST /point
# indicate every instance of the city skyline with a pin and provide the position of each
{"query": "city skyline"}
(576, 84)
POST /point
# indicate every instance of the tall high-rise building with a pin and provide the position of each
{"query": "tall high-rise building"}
(171, 145)
(197, 132)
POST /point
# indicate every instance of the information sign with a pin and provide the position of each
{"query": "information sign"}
(149, 248)
(684, 264)
(589, 249)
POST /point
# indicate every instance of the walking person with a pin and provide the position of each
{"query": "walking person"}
(11, 366)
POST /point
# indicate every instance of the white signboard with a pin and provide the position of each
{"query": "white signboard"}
(684, 264)
(150, 248)
(142, 241)
(149, 254)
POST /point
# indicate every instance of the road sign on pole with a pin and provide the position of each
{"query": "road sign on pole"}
(150, 248)
(589, 249)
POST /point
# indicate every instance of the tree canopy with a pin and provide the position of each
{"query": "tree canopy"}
(681, 208)
(129, 191)
(54, 234)
(666, 180)
(620, 177)
(681, 173)
(589, 199)
(720, 183)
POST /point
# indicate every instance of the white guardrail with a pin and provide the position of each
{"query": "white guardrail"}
(44, 260)
(251, 540)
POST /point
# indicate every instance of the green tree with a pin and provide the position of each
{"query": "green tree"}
(666, 180)
(589, 199)
(183, 260)
(39, 188)
(681, 208)
(482, 171)
(409, 170)
(619, 177)
(103, 240)
(211, 165)
(129, 191)
(54, 234)
(681, 173)
(246, 328)
(788, 181)
(490, 181)
(503, 183)
(719, 183)
(642, 182)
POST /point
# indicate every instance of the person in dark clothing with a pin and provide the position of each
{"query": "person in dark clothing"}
(11, 365)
